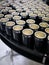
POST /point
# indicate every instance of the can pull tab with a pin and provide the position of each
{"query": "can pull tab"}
(44, 59)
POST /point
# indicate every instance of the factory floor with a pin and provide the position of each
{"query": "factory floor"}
(6, 57)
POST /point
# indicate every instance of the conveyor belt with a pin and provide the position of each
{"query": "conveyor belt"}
(29, 53)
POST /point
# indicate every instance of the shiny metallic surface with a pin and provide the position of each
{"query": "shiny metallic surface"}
(6, 58)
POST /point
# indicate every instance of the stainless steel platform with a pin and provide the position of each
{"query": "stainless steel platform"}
(6, 59)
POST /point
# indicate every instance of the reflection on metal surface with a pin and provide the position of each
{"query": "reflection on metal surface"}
(7, 57)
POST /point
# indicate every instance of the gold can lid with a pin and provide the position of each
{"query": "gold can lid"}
(19, 10)
(30, 21)
(45, 18)
(39, 9)
(44, 12)
(27, 32)
(40, 34)
(4, 10)
(10, 23)
(15, 13)
(20, 22)
(44, 24)
(47, 30)
(8, 16)
(32, 15)
(17, 17)
(23, 14)
(4, 20)
(41, 15)
(34, 26)
(10, 11)
(47, 10)
(47, 15)
(17, 27)
(8, 8)
(1, 15)
(48, 37)
(36, 12)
